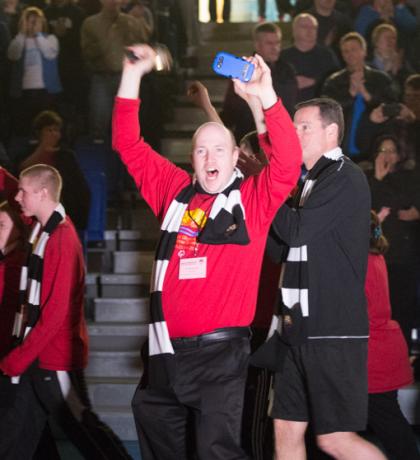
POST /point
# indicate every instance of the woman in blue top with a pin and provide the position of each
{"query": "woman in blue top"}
(34, 81)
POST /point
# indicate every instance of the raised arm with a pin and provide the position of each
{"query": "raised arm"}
(273, 185)
(255, 106)
(156, 177)
(199, 96)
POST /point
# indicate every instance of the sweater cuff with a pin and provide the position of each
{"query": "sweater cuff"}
(126, 102)
(274, 108)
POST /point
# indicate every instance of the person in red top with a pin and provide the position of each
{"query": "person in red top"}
(12, 237)
(8, 185)
(205, 282)
(388, 363)
(45, 368)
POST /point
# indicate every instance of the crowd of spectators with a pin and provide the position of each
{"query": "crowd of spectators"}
(66, 56)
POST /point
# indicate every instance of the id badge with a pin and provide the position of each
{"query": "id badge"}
(193, 268)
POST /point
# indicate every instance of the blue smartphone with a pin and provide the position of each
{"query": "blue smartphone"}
(231, 66)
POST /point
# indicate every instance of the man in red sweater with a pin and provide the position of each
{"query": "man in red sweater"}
(45, 368)
(205, 280)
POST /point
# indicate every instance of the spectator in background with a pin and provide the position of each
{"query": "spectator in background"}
(235, 113)
(104, 37)
(283, 7)
(396, 199)
(213, 10)
(332, 24)
(10, 12)
(312, 62)
(143, 13)
(358, 88)
(65, 21)
(49, 150)
(385, 11)
(403, 123)
(388, 364)
(386, 55)
(34, 79)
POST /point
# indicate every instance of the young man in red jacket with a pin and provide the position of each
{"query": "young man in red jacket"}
(45, 368)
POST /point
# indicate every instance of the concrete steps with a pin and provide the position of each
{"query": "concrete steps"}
(124, 285)
(133, 261)
(121, 310)
(105, 364)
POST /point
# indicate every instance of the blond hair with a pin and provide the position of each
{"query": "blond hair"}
(46, 177)
(33, 11)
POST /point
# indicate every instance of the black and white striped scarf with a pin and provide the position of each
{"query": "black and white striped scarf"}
(294, 281)
(31, 275)
(290, 326)
(225, 225)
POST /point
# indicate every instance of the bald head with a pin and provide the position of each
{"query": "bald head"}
(214, 156)
(305, 30)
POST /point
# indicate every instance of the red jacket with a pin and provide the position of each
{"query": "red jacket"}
(8, 185)
(388, 364)
(10, 268)
(59, 339)
(227, 296)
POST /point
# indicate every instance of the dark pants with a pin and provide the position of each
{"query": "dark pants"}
(203, 406)
(403, 294)
(213, 11)
(257, 426)
(391, 427)
(61, 395)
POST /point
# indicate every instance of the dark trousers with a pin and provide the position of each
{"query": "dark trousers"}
(61, 395)
(201, 412)
(213, 10)
(391, 427)
(257, 426)
(403, 294)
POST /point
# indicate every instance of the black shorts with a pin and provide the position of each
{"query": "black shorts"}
(324, 382)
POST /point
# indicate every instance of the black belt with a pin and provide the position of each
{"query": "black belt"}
(218, 335)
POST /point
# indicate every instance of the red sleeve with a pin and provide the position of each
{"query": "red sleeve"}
(158, 179)
(377, 291)
(265, 144)
(274, 184)
(8, 185)
(61, 271)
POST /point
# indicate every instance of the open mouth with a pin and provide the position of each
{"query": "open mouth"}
(212, 173)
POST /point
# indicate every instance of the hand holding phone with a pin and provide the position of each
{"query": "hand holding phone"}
(230, 66)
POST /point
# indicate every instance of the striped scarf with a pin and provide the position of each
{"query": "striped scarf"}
(31, 276)
(290, 327)
(225, 225)
(294, 280)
